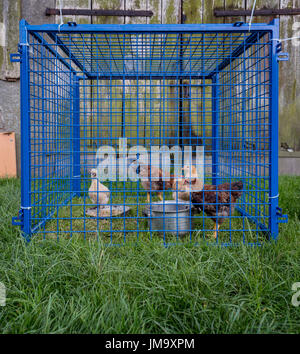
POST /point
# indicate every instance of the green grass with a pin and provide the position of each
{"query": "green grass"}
(81, 287)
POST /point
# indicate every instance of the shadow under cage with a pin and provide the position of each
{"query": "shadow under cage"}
(135, 132)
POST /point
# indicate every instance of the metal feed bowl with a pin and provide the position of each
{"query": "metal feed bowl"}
(170, 217)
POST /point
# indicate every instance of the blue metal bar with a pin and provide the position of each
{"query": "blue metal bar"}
(49, 47)
(249, 41)
(273, 171)
(215, 129)
(67, 51)
(80, 60)
(244, 91)
(25, 133)
(170, 76)
(149, 28)
(76, 137)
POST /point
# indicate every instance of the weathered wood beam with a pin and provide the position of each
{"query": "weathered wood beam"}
(262, 12)
(87, 12)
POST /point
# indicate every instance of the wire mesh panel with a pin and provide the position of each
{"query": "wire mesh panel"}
(142, 132)
(245, 130)
(51, 110)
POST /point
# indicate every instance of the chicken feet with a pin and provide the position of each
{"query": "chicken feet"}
(216, 229)
(159, 196)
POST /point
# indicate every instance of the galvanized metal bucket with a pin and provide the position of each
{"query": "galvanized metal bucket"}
(170, 217)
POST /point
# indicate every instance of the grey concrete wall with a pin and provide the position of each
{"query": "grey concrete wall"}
(289, 163)
(10, 111)
(34, 11)
(11, 11)
(165, 11)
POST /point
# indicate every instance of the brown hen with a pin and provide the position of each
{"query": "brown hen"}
(218, 202)
(153, 180)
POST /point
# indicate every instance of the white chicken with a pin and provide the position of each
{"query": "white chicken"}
(182, 187)
(98, 193)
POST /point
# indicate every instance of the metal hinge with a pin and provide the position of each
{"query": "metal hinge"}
(281, 218)
(18, 220)
(72, 24)
(238, 24)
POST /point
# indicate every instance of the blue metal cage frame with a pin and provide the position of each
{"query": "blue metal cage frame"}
(85, 85)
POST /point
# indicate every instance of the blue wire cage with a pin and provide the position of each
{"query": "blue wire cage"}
(86, 87)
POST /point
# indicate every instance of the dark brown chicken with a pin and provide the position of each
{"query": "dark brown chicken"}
(218, 202)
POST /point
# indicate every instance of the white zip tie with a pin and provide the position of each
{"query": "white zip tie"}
(61, 16)
(252, 13)
(284, 39)
(276, 196)
(26, 208)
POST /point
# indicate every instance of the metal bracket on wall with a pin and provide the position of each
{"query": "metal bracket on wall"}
(281, 218)
(18, 220)
(262, 12)
(15, 58)
(87, 12)
(238, 24)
